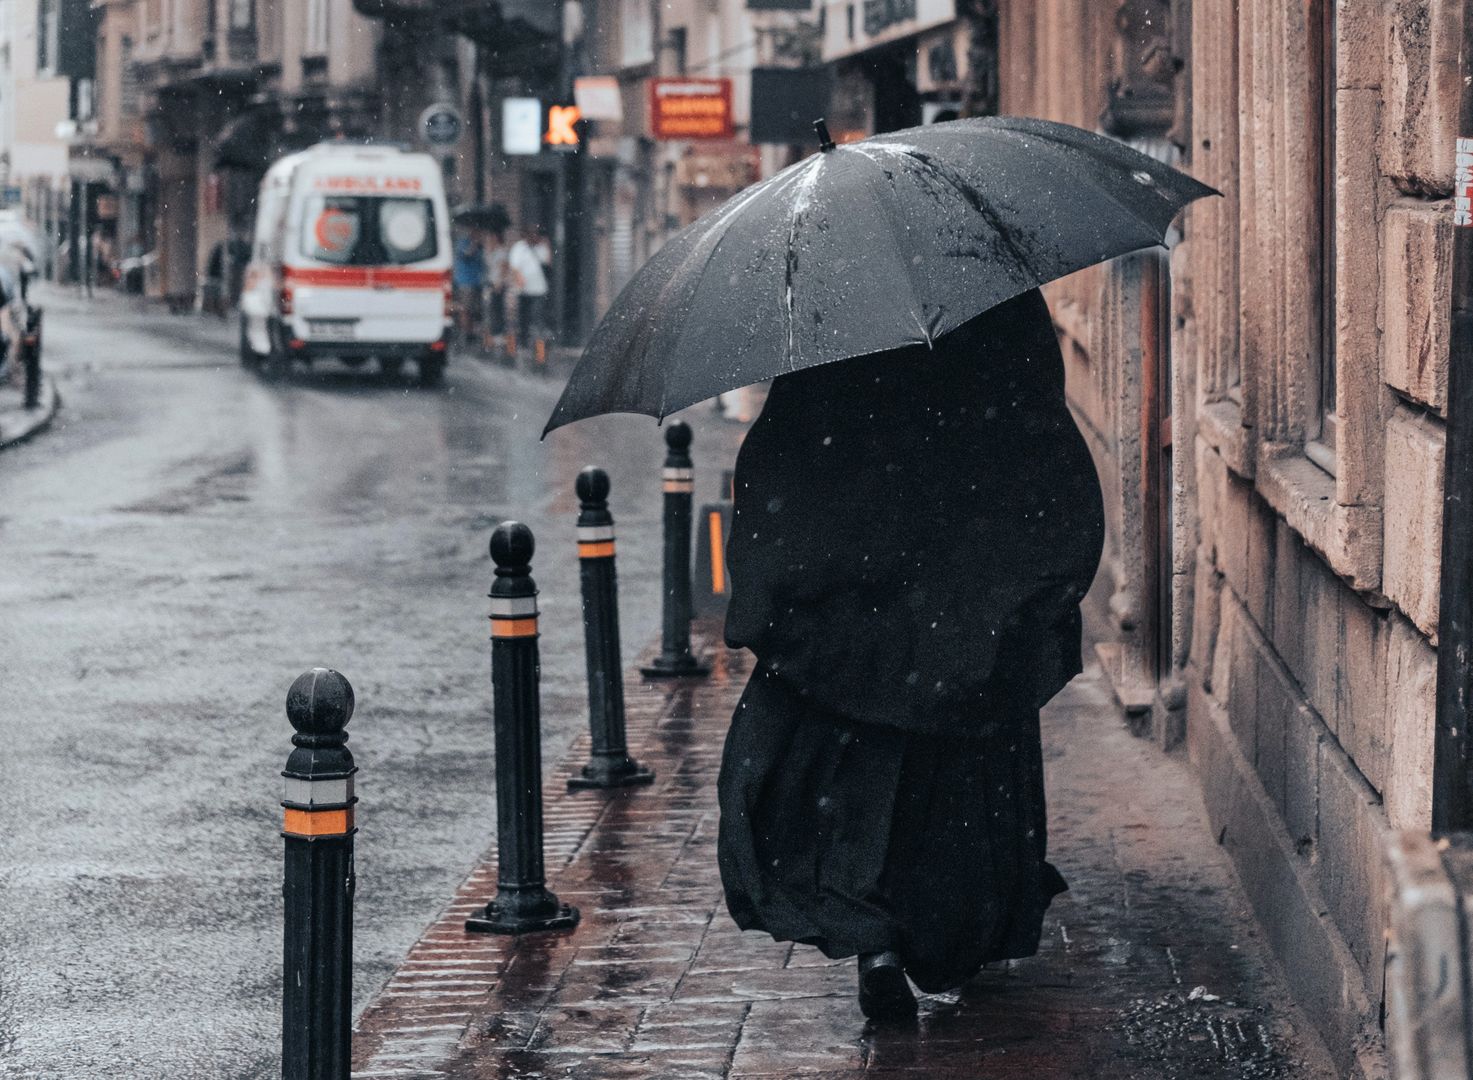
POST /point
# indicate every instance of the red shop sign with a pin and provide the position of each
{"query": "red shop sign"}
(689, 109)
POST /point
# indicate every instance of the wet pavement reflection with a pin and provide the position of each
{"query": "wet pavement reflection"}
(1150, 966)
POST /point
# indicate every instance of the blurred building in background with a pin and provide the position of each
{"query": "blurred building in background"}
(609, 124)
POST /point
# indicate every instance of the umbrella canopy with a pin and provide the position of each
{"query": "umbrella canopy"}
(867, 247)
(492, 218)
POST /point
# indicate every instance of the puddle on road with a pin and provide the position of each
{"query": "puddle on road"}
(1197, 1034)
(223, 479)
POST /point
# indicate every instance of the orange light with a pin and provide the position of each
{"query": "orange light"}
(297, 343)
(718, 555)
(437, 346)
(561, 129)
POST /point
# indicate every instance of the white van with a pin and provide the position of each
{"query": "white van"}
(350, 261)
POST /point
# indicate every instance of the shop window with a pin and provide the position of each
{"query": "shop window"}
(316, 37)
(243, 15)
(48, 18)
(636, 34)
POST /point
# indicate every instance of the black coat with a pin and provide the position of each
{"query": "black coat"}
(914, 530)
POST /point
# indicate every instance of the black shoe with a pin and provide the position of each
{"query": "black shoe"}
(884, 992)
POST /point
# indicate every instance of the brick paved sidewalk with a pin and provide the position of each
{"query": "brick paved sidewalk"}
(1150, 966)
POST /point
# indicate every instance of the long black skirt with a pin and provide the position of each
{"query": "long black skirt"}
(858, 838)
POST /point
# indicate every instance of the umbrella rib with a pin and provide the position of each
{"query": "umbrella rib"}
(978, 203)
(807, 182)
(917, 306)
(720, 227)
(1062, 149)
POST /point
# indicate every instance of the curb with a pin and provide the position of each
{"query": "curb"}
(18, 425)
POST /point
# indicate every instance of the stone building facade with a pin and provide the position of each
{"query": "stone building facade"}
(1269, 419)
(196, 98)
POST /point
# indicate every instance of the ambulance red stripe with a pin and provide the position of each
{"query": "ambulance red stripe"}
(365, 277)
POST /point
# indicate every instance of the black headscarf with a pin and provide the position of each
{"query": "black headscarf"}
(914, 530)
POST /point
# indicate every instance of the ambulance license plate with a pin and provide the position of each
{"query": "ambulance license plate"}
(332, 329)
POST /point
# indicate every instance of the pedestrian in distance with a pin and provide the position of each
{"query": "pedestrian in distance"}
(529, 275)
(467, 277)
(496, 279)
(913, 531)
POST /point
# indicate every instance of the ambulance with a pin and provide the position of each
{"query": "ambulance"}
(350, 261)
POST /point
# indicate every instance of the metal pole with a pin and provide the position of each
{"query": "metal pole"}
(610, 764)
(317, 969)
(30, 351)
(523, 902)
(1452, 762)
(678, 475)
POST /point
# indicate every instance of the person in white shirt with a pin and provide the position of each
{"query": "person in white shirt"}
(529, 274)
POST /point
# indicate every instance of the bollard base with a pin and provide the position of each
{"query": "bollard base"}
(674, 667)
(523, 911)
(611, 772)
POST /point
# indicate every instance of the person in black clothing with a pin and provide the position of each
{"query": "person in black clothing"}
(912, 534)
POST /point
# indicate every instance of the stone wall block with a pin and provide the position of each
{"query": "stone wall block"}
(1303, 734)
(1211, 480)
(1352, 826)
(1418, 256)
(1413, 521)
(1411, 708)
(1259, 597)
(1361, 689)
(1287, 629)
(1421, 88)
(1360, 46)
(1206, 619)
(1358, 398)
(1231, 532)
(1324, 597)
(1240, 695)
(1278, 699)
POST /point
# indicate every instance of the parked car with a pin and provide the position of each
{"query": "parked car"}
(350, 261)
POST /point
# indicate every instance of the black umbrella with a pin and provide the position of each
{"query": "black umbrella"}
(492, 218)
(871, 246)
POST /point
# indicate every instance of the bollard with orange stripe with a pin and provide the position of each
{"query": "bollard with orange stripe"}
(523, 902)
(317, 997)
(678, 482)
(609, 763)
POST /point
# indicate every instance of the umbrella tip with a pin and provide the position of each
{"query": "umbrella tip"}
(825, 142)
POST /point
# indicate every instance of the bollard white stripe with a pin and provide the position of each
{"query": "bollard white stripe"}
(588, 533)
(513, 607)
(319, 792)
(677, 474)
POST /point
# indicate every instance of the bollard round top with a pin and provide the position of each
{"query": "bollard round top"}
(512, 546)
(677, 435)
(320, 702)
(593, 485)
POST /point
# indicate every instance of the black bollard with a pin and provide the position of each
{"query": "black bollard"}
(317, 969)
(679, 483)
(609, 765)
(30, 351)
(523, 902)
